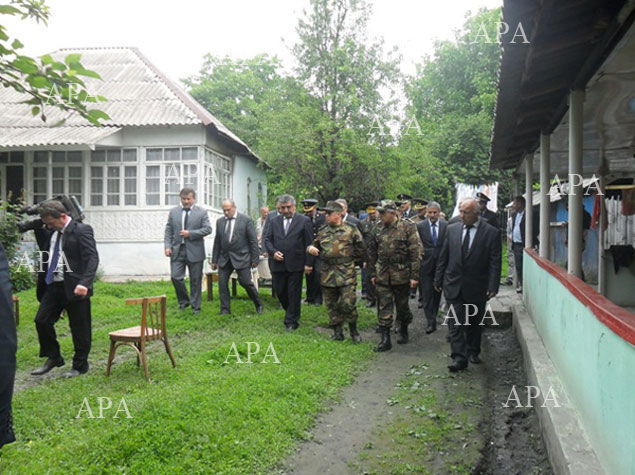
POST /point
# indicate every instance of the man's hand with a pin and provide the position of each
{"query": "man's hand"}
(491, 294)
(254, 265)
(314, 251)
(214, 266)
(278, 256)
(413, 283)
(81, 291)
(185, 233)
(168, 252)
(374, 280)
(438, 288)
(308, 270)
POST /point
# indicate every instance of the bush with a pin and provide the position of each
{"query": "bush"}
(21, 276)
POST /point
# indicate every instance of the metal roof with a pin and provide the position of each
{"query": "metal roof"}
(138, 95)
(44, 136)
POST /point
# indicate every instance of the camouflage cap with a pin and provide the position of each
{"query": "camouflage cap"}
(332, 206)
(386, 205)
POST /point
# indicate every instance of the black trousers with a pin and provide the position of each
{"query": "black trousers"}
(313, 287)
(79, 318)
(244, 279)
(465, 340)
(429, 297)
(288, 287)
(517, 249)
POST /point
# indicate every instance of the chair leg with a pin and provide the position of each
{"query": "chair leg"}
(111, 356)
(169, 350)
(139, 349)
(144, 360)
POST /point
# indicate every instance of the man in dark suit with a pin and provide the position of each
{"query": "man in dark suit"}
(184, 244)
(468, 271)
(487, 214)
(65, 283)
(432, 233)
(518, 234)
(8, 348)
(235, 248)
(286, 240)
(313, 287)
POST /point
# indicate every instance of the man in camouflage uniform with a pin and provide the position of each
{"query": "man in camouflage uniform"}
(367, 226)
(394, 252)
(340, 244)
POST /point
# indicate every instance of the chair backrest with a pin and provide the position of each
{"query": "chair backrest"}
(152, 314)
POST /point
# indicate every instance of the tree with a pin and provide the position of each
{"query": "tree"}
(44, 81)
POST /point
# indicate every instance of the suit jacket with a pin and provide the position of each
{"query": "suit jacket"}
(410, 213)
(430, 251)
(470, 278)
(197, 224)
(272, 214)
(8, 348)
(293, 245)
(536, 226)
(317, 222)
(491, 218)
(242, 250)
(80, 254)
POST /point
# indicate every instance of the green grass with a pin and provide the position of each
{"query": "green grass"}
(202, 417)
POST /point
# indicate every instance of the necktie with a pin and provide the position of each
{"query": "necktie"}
(187, 214)
(287, 221)
(229, 228)
(50, 272)
(465, 247)
(434, 233)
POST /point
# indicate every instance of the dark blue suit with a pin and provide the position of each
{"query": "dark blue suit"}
(8, 348)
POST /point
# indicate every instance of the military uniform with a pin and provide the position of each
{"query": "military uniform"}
(340, 246)
(313, 289)
(394, 252)
(367, 226)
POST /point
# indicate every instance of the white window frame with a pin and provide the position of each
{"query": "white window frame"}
(114, 163)
(169, 168)
(65, 165)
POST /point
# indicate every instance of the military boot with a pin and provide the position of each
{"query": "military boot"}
(384, 344)
(338, 335)
(352, 327)
(403, 334)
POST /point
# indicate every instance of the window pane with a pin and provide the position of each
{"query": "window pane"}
(39, 172)
(153, 186)
(130, 155)
(190, 153)
(74, 156)
(58, 172)
(96, 200)
(130, 200)
(75, 188)
(59, 156)
(17, 157)
(74, 172)
(41, 157)
(154, 154)
(96, 172)
(113, 155)
(4, 157)
(113, 200)
(172, 155)
(98, 156)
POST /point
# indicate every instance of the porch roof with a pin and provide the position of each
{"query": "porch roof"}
(11, 137)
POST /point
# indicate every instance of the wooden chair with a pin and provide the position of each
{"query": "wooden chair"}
(16, 309)
(152, 328)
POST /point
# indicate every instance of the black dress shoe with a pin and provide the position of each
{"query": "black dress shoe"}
(73, 373)
(420, 305)
(225, 312)
(48, 365)
(455, 367)
(474, 359)
(196, 312)
(259, 309)
(430, 329)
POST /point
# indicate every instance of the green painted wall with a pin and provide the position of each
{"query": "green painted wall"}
(597, 367)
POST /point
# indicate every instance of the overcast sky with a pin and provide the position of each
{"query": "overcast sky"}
(176, 35)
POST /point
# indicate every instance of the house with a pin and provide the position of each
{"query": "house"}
(128, 173)
(566, 106)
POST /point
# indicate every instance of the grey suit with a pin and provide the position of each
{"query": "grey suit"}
(429, 297)
(187, 252)
(240, 254)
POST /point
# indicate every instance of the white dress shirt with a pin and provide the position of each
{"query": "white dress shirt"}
(58, 275)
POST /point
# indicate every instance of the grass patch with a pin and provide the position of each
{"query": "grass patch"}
(202, 417)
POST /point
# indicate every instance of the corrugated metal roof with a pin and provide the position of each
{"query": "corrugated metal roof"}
(138, 95)
(45, 136)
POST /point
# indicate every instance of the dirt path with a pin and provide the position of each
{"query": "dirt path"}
(408, 414)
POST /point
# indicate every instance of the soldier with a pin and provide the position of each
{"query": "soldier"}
(489, 216)
(340, 244)
(367, 227)
(313, 289)
(420, 206)
(394, 252)
(406, 209)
